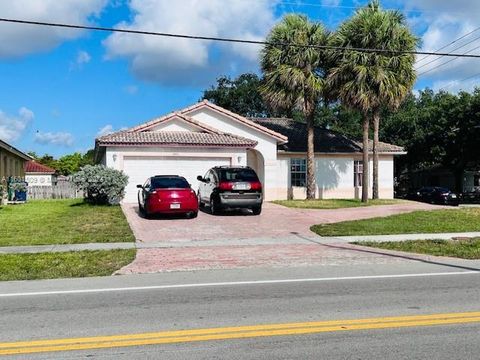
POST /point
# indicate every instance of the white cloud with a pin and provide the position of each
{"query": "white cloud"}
(54, 138)
(12, 127)
(82, 58)
(441, 22)
(107, 129)
(331, 2)
(131, 89)
(19, 39)
(183, 61)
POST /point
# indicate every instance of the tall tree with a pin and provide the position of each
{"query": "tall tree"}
(295, 75)
(240, 95)
(372, 80)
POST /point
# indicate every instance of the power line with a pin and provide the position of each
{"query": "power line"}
(451, 43)
(445, 63)
(233, 40)
(459, 81)
(457, 48)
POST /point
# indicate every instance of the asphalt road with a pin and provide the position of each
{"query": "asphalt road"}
(129, 305)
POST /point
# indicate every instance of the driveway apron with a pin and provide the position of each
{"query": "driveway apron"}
(280, 236)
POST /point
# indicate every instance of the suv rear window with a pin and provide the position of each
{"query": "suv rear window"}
(170, 183)
(237, 175)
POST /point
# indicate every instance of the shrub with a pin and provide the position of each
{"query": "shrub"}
(101, 185)
(19, 186)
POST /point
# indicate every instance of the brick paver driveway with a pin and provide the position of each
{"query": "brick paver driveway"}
(280, 236)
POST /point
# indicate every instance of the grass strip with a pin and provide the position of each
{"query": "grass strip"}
(334, 203)
(417, 222)
(63, 265)
(463, 249)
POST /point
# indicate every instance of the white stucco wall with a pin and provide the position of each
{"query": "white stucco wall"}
(175, 125)
(334, 176)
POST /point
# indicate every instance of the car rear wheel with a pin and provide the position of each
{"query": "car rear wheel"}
(192, 214)
(257, 210)
(214, 208)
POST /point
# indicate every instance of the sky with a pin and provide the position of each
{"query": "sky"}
(60, 89)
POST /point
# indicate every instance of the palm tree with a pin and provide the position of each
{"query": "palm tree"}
(371, 81)
(294, 76)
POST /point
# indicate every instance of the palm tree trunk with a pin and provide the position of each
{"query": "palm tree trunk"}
(366, 124)
(310, 155)
(376, 125)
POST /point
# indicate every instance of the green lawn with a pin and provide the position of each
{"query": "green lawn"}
(62, 265)
(334, 203)
(465, 249)
(437, 221)
(42, 222)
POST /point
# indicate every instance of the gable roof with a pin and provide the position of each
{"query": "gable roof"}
(326, 141)
(13, 150)
(34, 167)
(174, 115)
(252, 124)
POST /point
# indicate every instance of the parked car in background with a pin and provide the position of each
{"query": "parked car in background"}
(471, 197)
(435, 195)
(167, 194)
(230, 187)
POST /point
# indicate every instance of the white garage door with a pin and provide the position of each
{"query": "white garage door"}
(139, 168)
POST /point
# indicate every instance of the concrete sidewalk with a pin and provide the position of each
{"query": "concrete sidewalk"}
(265, 241)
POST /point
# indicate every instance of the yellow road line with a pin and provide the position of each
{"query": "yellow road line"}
(239, 332)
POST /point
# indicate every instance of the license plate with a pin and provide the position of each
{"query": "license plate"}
(241, 186)
(174, 206)
(454, 196)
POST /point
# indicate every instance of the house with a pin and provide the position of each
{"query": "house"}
(37, 174)
(190, 141)
(12, 162)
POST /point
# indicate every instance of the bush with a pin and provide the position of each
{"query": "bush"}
(101, 185)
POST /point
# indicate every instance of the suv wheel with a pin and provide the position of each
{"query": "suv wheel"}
(257, 210)
(214, 208)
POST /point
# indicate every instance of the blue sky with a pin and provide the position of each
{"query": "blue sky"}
(60, 89)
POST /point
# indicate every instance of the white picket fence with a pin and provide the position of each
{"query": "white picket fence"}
(63, 190)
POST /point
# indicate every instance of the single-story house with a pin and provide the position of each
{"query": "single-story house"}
(37, 174)
(190, 141)
(12, 162)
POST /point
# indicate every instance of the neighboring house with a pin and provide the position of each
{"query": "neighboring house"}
(37, 174)
(12, 162)
(190, 141)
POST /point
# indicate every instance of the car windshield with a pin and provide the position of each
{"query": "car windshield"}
(442, 190)
(169, 183)
(237, 175)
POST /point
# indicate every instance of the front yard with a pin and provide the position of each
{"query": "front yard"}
(63, 265)
(418, 222)
(44, 222)
(464, 249)
(334, 203)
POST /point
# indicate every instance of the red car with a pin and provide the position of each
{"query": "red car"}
(167, 194)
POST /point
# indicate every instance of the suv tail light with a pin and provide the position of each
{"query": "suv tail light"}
(225, 186)
(256, 185)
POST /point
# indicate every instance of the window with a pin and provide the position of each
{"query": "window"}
(357, 173)
(298, 171)
(170, 183)
(240, 174)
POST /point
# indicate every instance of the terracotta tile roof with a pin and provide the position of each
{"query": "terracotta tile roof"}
(326, 141)
(35, 167)
(175, 138)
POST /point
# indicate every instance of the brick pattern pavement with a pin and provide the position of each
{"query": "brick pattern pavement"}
(275, 222)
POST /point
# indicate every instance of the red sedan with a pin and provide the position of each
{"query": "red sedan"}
(167, 194)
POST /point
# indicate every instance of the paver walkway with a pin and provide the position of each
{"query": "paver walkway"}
(280, 236)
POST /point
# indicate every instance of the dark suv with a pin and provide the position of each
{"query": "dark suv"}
(230, 187)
